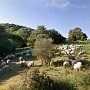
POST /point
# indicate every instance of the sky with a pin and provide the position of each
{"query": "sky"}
(61, 15)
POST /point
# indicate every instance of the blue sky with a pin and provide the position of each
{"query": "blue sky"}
(61, 15)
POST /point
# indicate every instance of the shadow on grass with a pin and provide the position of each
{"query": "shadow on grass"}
(14, 69)
(64, 85)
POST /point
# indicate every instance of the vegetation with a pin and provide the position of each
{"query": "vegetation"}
(43, 49)
(43, 42)
(13, 36)
(77, 34)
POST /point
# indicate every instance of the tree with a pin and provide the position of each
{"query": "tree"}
(57, 37)
(24, 33)
(77, 34)
(43, 50)
(41, 29)
(6, 44)
(32, 38)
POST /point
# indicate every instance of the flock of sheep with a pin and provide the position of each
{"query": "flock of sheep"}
(6, 61)
(76, 64)
(23, 53)
(74, 53)
(4, 65)
(23, 63)
(69, 50)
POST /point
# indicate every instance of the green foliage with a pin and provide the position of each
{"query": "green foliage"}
(19, 36)
(24, 33)
(6, 44)
(36, 80)
(12, 36)
(32, 38)
(43, 49)
(18, 40)
(77, 34)
(56, 37)
(40, 29)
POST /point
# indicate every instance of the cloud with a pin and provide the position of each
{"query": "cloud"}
(59, 3)
(54, 3)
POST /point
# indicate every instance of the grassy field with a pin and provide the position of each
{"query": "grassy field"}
(79, 79)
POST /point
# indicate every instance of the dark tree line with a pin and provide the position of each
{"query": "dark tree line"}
(13, 36)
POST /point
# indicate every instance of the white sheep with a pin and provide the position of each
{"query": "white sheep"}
(8, 61)
(20, 58)
(77, 66)
(81, 52)
(30, 63)
(66, 64)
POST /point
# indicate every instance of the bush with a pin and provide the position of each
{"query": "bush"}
(36, 80)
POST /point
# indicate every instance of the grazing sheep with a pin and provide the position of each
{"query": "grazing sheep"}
(30, 63)
(3, 64)
(8, 61)
(83, 61)
(74, 62)
(66, 64)
(6, 67)
(77, 66)
(81, 52)
(27, 55)
(20, 58)
(23, 63)
(2, 60)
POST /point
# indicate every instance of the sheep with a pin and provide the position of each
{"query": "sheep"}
(77, 66)
(8, 61)
(6, 67)
(66, 64)
(74, 62)
(3, 64)
(23, 63)
(2, 60)
(27, 54)
(83, 61)
(30, 63)
(20, 58)
(81, 52)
